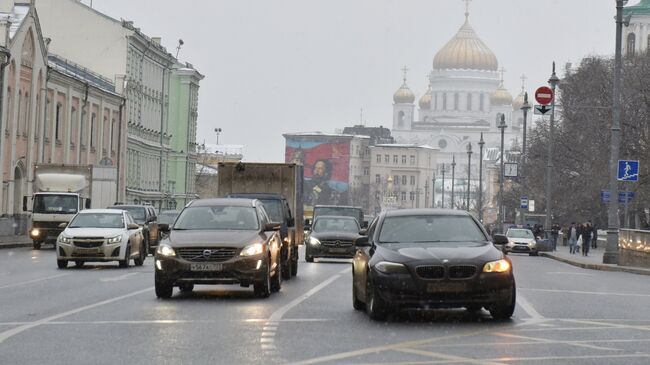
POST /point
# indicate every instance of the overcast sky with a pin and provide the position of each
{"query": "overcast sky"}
(277, 66)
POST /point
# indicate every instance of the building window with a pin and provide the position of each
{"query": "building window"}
(395, 159)
(113, 134)
(400, 119)
(469, 101)
(378, 158)
(57, 123)
(92, 130)
(631, 44)
(403, 195)
(396, 179)
(377, 179)
(412, 180)
(412, 196)
(387, 158)
(482, 102)
(404, 159)
(444, 101)
(366, 171)
(456, 102)
(403, 179)
(412, 160)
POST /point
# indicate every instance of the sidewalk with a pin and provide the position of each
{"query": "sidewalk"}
(15, 241)
(594, 261)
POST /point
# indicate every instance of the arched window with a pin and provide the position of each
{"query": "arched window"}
(400, 119)
(631, 44)
(19, 117)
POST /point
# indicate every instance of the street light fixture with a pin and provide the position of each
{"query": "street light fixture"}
(469, 171)
(502, 125)
(481, 143)
(218, 131)
(453, 180)
(553, 81)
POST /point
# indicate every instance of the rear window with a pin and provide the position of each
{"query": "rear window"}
(339, 211)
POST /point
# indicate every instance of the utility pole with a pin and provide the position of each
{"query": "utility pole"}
(502, 125)
(553, 81)
(613, 224)
(481, 143)
(524, 108)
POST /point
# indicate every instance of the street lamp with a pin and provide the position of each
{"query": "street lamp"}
(453, 179)
(553, 81)
(611, 250)
(469, 171)
(481, 143)
(443, 186)
(502, 125)
(524, 108)
(218, 131)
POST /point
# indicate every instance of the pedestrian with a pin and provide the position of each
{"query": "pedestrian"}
(555, 230)
(565, 235)
(573, 237)
(586, 239)
(594, 235)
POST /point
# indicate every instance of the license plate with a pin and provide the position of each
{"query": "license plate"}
(86, 250)
(445, 287)
(206, 267)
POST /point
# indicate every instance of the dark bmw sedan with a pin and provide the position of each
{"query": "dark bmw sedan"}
(219, 241)
(430, 258)
(333, 237)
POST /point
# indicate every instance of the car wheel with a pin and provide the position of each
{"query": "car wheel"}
(505, 309)
(375, 306)
(356, 303)
(143, 255)
(276, 280)
(186, 288)
(36, 245)
(164, 289)
(79, 263)
(286, 268)
(294, 265)
(262, 288)
(127, 258)
(62, 264)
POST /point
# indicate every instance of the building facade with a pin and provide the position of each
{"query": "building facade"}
(636, 36)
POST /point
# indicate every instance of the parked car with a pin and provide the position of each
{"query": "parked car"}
(145, 216)
(431, 258)
(220, 241)
(332, 236)
(521, 240)
(99, 235)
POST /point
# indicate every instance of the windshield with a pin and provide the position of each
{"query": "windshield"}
(327, 224)
(430, 229)
(97, 220)
(136, 212)
(62, 204)
(167, 217)
(273, 209)
(520, 233)
(217, 218)
(346, 212)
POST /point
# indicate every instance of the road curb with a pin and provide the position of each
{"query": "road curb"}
(602, 267)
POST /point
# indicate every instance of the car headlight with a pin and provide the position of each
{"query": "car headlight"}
(497, 266)
(314, 241)
(116, 239)
(391, 268)
(252, 250)
(165, 250)
(64, 239)
(35, 232)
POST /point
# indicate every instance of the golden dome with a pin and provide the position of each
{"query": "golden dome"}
(501, 96)
(425, 100)
(404, 95)
(465, 51)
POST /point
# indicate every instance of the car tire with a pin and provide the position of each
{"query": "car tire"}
(376, 308)
(79, 263)
(125, 263)
(294, 264)
(62, 264)
(262, 288)
(286, 268)
(36, 245)
(356, 303)
(164, 290)
(143, 255)
(505, 309)
(276, 280)
(186, 288)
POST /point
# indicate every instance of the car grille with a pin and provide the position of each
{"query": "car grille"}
(215, 254)
(47, 225)
(336, 243)
(88, 242)
(440, 272)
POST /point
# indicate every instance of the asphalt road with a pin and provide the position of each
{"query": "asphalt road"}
(101, 314)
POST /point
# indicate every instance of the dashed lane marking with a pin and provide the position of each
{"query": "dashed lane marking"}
(587, 292)
(32, 281)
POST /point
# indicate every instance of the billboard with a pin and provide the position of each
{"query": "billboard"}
(326, 162)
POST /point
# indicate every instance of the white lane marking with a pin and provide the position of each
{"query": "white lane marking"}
(547, 341)
(32, 281)
(568, 273)
(587, 292)
(268, 334)
(611, 325)
(528, 308)
(267, 340)
(278, 314)
(118, 278)
(269, 328)
(255, 320)
(14, 331)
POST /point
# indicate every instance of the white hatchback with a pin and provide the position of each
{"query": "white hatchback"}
(100, 235)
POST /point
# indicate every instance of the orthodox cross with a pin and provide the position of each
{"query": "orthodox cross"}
(467, 8)
(523, 82)
(404, 69)
(502, 71)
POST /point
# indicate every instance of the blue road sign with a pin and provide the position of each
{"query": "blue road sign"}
(523, 202)
(628, 170)
(622, 194)
(604, 196)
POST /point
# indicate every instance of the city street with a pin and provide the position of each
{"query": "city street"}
(101, 314)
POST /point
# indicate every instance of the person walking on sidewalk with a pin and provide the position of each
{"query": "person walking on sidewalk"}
(594, 236)
(565, 235)
(573, 238)
(586, 239)
(555, 231)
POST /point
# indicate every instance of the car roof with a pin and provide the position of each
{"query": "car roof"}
(337, 206)
(129, 206)
(107, 211)
(425, 211)
(256, 195)
(336, 217)
(223, 201)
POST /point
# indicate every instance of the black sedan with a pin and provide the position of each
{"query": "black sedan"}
(220, 241)
(430, 258)
(333, 237)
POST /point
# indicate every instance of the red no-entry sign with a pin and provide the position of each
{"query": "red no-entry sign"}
(544, 95)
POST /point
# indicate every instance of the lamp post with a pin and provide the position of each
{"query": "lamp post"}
(442, 205)
(524, 108)
(469, 172)
(481, 143)
(218, 131)
(611, 250)
(453, 180)
(502, 125)
(553, 81)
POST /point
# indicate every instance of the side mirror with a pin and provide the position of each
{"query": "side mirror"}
(362, 242)
(500, 239)
(132, 226)
(63, 225)
(271, 227)
(363, 231)
(307, 222)
(87, 203)
(163, 227)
